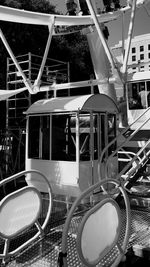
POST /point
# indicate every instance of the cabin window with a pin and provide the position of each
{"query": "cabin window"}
(138, 95)
(39, 137)
(148, 85)
(111, 131)
(64, 137)
(58, 137)
(84, 140)
(88, 136)
(33, 144)
(61, 136)
(45, 137)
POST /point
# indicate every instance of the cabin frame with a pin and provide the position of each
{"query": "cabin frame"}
(78, 129)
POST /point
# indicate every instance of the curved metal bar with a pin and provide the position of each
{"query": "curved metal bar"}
(77, 202)
(16, 176)
(40, 227)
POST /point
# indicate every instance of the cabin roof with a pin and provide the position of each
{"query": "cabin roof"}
(98, 102)
(139, 76)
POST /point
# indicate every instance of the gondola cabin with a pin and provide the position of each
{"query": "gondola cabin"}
(138, 99)
(65, 138)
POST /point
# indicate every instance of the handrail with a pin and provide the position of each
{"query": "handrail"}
(124, 142)
(138, 164)
(128, 165)
(128, 153)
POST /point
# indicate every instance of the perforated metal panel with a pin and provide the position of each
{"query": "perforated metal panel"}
(45, 252)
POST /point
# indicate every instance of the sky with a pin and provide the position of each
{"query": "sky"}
(141, 25)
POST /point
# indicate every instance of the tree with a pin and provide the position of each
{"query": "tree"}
(30, 38)
(24, 38)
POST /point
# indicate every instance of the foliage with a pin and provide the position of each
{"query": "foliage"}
(24, 38)
(74, 49)
(30, 38)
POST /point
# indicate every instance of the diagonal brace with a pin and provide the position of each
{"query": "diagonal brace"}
(25, 79)
(104, 43)
(38, 80)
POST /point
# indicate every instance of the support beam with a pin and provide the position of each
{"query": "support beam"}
(25, 80)
(80, 84)
(130, 32)
(101, 36)
(38, 80)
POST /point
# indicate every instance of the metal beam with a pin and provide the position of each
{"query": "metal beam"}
(25, 79)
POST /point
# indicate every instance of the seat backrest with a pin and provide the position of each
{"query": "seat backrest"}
(19, 210)
(98, 232)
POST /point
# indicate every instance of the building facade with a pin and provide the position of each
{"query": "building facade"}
(139, 56)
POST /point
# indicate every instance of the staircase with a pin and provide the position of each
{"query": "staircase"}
(134, 164)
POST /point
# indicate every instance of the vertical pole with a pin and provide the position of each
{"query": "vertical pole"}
(50, 117)
(68, 76)
(123, 50)
(37, 81)
(78, 145)
(130, 32)
(7, 120)
(123, 44)
(92, 146)
(101, 36)
(26, 82)
(30, 75)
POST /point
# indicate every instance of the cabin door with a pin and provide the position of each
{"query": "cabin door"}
(103, 132)
(96, 130)
(107, 132)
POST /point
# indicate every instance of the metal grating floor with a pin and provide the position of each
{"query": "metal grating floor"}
(44, 252)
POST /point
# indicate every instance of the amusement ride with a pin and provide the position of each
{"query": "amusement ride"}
(86, 196)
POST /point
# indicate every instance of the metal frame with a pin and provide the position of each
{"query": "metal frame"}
(6, 253)
(86, 193)
(83, 225)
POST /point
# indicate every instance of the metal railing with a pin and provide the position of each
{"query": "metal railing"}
(138, 160)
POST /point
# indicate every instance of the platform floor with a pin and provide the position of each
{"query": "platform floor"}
(44, 252)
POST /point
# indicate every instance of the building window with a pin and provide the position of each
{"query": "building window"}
(148, 55)
(133, 50)
(133, 58)
(133, 69)
(142, 57)
(142, 68)
(148, 46)
(141, 48)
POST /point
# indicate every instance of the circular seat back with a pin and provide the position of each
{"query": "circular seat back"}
(98, 232)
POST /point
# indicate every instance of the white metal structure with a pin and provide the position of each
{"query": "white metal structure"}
(19, 212)
(138, 102)
(107, 73)
(71, 154)
(65, 137)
